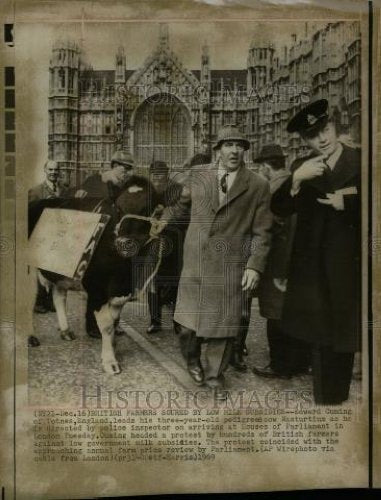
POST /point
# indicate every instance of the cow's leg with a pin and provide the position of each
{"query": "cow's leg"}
(107, 317)
(59, 300)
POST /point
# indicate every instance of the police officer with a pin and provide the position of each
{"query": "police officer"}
(322, 302)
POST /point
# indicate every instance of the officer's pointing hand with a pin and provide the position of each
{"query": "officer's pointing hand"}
(250, 279)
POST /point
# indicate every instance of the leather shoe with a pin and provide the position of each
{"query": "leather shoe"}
(40, 309)
(237, 362)
(239, 366)
(268, 372)
(220, 394)
(154, 328)
(218, 388)
(33, 341)
(197, 374)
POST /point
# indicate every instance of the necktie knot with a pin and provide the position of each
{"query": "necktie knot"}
(223, 183)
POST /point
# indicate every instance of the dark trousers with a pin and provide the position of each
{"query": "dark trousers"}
(239, 341)
(288, 356)
(164, 293)
(332, 373)
(217, 352)
(44, 299)
(154, 307)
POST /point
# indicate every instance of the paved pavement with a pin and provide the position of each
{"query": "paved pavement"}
(59, 370)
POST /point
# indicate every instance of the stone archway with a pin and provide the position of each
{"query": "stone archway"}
(162, 131)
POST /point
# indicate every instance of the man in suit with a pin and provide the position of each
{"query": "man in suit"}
(322, 302)
(225, 252)
(288, 356)
(51, 187)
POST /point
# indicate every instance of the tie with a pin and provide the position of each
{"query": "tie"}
(224, 183)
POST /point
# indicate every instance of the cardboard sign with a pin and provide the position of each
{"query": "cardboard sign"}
(64, 241)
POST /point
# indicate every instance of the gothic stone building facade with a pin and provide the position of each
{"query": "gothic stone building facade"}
(165, 111)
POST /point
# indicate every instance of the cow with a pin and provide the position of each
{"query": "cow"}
(131, 235)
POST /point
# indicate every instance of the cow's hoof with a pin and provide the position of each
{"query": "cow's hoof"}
(67, 335)
(95, 334)
(33, 341)
(112, 367)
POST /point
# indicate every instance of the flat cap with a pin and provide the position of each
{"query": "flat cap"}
(123, 158)
(231, 133)
(310, 119)
(269, 152)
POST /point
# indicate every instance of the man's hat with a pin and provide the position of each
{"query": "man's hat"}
(158, 166)
(123, 158)
(231, 133)
(310, 119)
(269, 152)
(200, 159)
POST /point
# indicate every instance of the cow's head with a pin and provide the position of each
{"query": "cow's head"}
(132, 234)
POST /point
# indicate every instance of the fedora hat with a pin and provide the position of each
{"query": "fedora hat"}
(269, 152)
(158, 167)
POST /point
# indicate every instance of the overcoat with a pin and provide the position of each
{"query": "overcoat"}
(168, 275)
(270, 298)
(322, 303)
(222, 240)
(43, 191)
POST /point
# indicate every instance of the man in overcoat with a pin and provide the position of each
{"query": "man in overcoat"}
(224, 254)
(111, 182)
(164, 286)
(116, 187)
(288, 356)
(322, 303)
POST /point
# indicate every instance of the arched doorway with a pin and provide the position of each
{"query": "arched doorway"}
(162, 131)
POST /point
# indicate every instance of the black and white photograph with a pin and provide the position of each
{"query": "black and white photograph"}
(224, 246)
(192, 249)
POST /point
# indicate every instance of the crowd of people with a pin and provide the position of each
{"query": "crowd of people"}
(290, 237)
